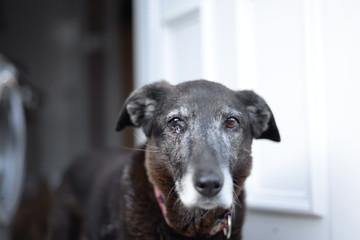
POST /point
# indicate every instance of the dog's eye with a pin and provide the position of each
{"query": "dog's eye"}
(231, 122)
(176, 124)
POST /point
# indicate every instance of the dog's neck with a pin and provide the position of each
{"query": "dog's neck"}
(222, 223)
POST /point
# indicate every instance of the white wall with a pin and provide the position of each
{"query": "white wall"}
(303, 57)
(342, 73)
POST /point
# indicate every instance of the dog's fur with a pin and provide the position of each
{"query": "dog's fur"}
(198, 154)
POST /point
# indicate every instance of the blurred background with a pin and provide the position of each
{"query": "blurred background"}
(72, 64)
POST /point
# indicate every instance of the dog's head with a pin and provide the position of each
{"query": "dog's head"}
(200, 136)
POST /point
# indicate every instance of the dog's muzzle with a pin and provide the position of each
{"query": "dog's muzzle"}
(206, 187)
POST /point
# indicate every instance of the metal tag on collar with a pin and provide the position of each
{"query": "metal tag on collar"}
(227, 229)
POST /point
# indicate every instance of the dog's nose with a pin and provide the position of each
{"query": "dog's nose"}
(208, 183)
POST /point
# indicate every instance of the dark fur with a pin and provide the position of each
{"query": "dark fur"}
(110, 195)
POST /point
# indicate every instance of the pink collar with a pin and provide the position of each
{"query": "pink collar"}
(221, 224)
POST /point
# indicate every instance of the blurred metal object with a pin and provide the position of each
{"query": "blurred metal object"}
(12, 141)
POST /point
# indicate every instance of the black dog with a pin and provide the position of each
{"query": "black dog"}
(186, 183)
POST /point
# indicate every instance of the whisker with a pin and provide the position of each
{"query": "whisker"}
(170, 192)
(236, 185)
(236, 200)
(151, 147)
(138, 149)
(204, 215)
(246, 150)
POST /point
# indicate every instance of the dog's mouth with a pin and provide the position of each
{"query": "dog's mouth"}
(206, 192)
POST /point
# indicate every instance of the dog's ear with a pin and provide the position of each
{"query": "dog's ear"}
(140, 106)
(263, 123)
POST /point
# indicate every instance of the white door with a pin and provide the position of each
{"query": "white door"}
(302, 56)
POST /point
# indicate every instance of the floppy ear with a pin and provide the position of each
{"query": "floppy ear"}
(263, 123)
(140, 106)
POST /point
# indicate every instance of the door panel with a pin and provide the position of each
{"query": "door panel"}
(282, 45)
(183, 48)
